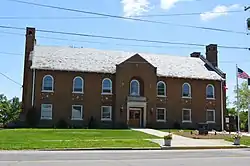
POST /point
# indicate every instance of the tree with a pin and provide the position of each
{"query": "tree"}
(244, 101)
(9, 109)
(244, 98)
(243, 119)
(227, 102)
(230, 111)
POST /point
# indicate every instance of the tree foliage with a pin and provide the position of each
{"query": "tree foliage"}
(244, 96)
(244, 101)
(9, 109)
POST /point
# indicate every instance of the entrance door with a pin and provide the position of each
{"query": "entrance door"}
(135, 117)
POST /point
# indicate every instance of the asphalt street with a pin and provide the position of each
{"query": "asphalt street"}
(228, 157)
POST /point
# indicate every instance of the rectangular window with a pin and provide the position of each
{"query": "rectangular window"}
(106, 113)
(161, 114)
(46, 111)
(186, 115)
(77, 112)
(211, 116)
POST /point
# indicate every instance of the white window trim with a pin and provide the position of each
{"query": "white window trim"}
(106, 119)
(72, 112)
(52, 84)
(42, 118)
(165, 91)
(165, 114)
(190, 114)
(190, 91)
(213, 98)
(74, 84)
(106, 93)
(130, 88)
(213, 114)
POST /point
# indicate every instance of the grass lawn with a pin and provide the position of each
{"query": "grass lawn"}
(15, 139)
(244, 140)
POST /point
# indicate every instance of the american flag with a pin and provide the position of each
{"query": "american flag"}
(242, 74)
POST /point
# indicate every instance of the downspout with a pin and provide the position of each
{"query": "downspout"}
(33, 87)
(222, 107)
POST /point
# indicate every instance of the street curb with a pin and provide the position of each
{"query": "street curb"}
(203, 147)
(97, 149)
(160, 148)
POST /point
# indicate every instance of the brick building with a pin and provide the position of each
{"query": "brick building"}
(119, 89)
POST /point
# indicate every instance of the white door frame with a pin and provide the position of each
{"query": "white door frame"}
(143, 105)
(136, 109)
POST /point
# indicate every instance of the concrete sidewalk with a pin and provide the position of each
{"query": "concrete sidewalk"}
(180, 141)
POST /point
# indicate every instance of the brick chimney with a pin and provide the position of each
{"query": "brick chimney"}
(27, 75)
(195, 54)
(212, 54)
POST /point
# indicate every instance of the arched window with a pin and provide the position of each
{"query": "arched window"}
(161, 88)
(186, 90)
(106, 86)
(135, 88)
(48, 83)
(78, 85)
(210, 92)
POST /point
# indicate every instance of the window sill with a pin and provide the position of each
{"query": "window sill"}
(210, 121)
(106, 93)
(210, 98)
(106, 119)
(161, 96)
(184, 97)
(161, 121)
(47, 91)
(77, 92)
(186, 121)
(76, 119)
(45, 118)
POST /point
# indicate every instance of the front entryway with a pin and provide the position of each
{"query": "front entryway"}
(135, 117)
(136, 114)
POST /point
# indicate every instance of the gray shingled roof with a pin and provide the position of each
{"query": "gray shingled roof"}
(93, 60)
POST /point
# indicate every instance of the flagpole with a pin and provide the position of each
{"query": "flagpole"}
(237, 99)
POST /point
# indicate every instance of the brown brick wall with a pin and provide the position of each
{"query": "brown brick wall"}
(135, 67)
(62, 98)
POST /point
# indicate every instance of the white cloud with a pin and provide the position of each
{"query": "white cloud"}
(218, 11)
(167, 4)
(135, 7)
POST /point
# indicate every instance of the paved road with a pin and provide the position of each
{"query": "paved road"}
(127, 158)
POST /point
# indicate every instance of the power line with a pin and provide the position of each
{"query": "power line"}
(10, 53)
(96, 42)
(126, 18)
(188, 14)
(117, 44)
(123, 38)
(247, 8)
(140, 16)
(11, 79)
(12, 33)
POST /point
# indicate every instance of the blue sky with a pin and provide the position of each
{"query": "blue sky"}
(12, 65)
